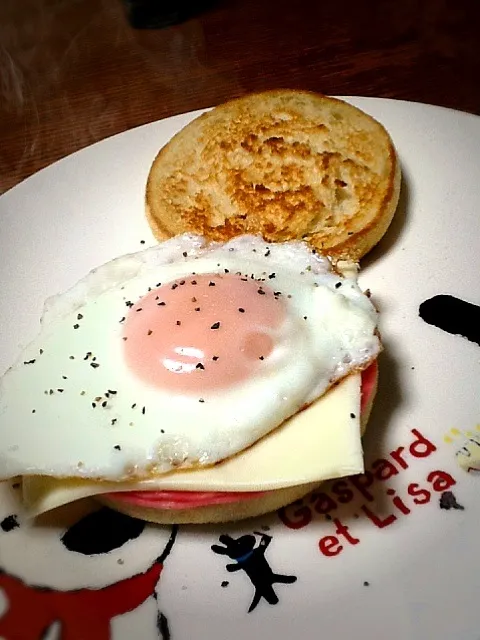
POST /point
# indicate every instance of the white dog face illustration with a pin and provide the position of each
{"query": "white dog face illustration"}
(69, 564)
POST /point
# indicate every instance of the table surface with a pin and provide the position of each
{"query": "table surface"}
(75, 71)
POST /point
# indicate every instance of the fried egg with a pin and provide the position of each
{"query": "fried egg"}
(180, 356)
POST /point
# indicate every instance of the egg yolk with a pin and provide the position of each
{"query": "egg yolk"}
(203, 332)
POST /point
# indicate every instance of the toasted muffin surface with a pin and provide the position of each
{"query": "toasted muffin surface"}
(285, 164)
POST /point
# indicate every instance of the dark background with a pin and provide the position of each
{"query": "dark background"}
(76, 71)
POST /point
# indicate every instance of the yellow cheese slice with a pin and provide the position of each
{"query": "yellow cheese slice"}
(317, 444)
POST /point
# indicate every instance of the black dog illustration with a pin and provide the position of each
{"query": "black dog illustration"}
(252, 560)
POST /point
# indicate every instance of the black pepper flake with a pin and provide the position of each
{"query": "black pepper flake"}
(277, 293)
(366, 584)
(215, 325)
(178, 323)
(41, 351)
(129, 303)
(149, 332)
(94, 404)
(194, 299)
(261, 292)
(142, 241)
(352, 415)
(162, 430)
(122, 319)
(79, 316)
(104, 404)
(76, 326)
(114, 420)
(225, 583)
(29, 361)
(211, 284)
(94, 365)
(134, 405)
(124, 338)
(184, 254)
(338, 285)
(199, 365)
(226, 271)
(34, 411)
(64, 377)
(112, 391)
(159, 284)
(50, 392)
(174, 285)
(60, 390)
(267, 253)
(241, 309)
(161, 304)
(261, 358)
(107, 395)
(201, 400)
(272, 275)
(87, 355)
(215, 358)
(143, 410)
(304, 317)
(193, 282)
(197, 308)
(139, 309)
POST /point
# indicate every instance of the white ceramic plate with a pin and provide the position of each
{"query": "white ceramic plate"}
(401, 566)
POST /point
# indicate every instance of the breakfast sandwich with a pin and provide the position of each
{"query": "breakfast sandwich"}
(187, 382)
(231, 369)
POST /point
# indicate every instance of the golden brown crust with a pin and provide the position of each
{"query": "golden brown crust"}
(286, 164)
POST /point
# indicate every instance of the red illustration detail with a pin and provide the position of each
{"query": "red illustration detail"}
(83, 613)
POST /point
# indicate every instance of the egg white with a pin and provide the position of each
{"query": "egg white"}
(58, 416)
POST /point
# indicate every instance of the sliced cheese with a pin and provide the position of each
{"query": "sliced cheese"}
(319, 443)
